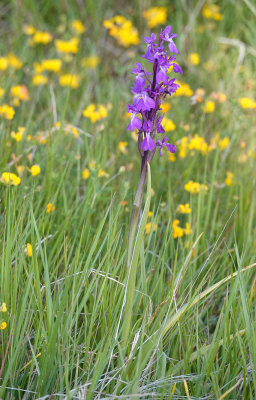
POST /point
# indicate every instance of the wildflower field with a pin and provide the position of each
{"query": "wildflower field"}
(127, 199)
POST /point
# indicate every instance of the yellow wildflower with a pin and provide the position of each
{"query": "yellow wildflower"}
(29, 30)
(69, 80)
(3, 63)
(168, 124)
(40, 37)
(177, 230)
(3, 307)
(102, 173)
(78, 26)
(211, 11)
(165, 107)
(229, 178)
(149, 226)
(3, 325)
(6, 111)
(50, 208)
(223, 143)
(90, 62)
(187, 230)
(28, 250)
(9, 178)
(209, 106)
(184, 208)
(246, 102)
(193, 59)
(150, 213)
(194, 187)
(122, 147)
(86, 173)
(172, 157)
(122, 30)
(95, 113)
(53, 64)
(20, 92)
(155, 16)
(184, 89)
(14, 61)
(1, 92)
(35, 170)
(67, 46)
(39, 80)
(18, 135)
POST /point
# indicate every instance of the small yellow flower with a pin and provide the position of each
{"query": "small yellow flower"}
(9, 178)
(102, 173)
(35, 170)
(148, 228)
(90, 62)
(184, 208)
(78, 26)
(165, 107)
(95, 113)
(123, 30)
(50, 208)
(3, 63)
(69, 80)
(40, 37)
(195, 187)
(29, 30)
(211, 11)
(172, 157)
(6, 111)
(150, 213)
(68, 46)
(168, 124)
(53, 64)
(209, 106)
(193, 59)
(122, 147)
(3, 307)
(155, 16)
(187, 230)
(28, 250)
(229, 178)
(3, 325)
(21, 92)
(184, 90)
(86, 173)
(39, 80)
(246, 102)
(177, 230)
(223, 143)
(18, 135)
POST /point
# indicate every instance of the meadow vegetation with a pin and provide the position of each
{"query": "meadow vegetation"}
(68, 176)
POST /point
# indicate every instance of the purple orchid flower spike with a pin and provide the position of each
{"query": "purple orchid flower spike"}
(149, 93)
(167, 37)
(163, 143)
(148, 143)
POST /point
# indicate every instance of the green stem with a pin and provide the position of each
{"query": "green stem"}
(137, 228)
(136, 212)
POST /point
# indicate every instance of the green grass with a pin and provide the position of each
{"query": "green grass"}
(192, 332)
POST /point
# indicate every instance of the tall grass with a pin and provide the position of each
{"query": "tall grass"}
(192, 331)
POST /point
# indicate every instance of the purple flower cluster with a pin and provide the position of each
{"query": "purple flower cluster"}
(149, 90)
